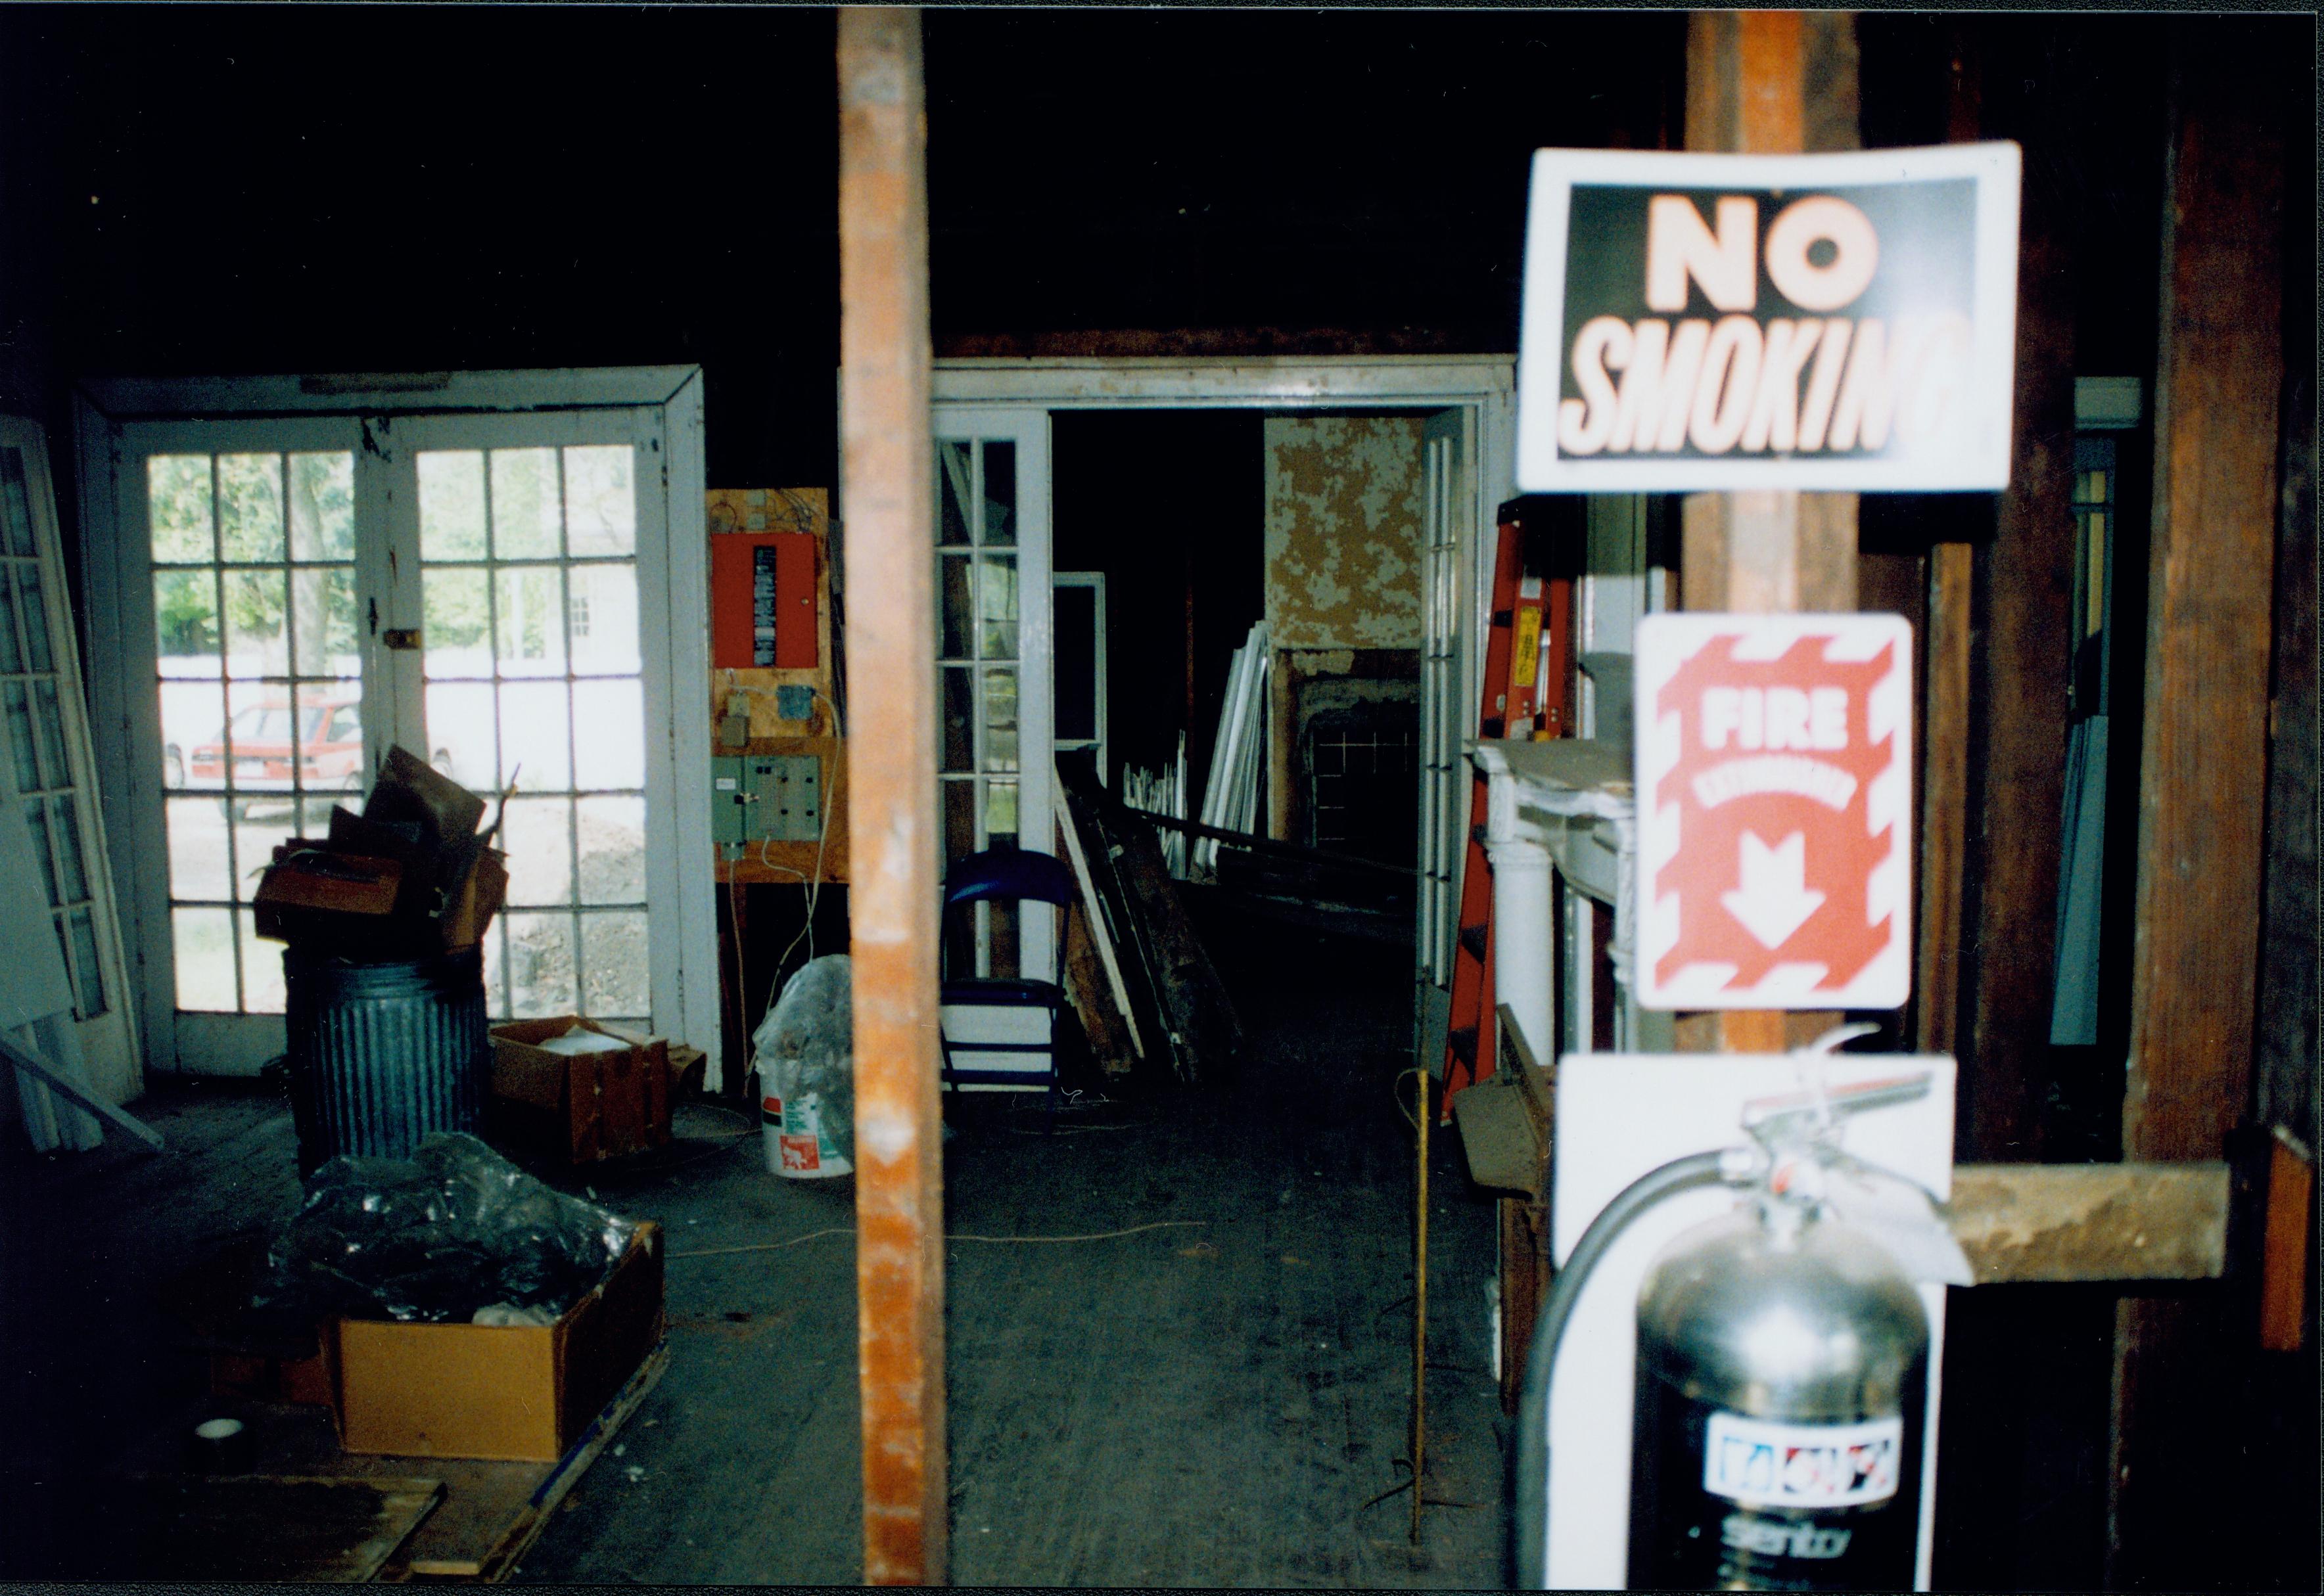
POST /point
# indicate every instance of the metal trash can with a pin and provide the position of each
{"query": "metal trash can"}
(383, 1054)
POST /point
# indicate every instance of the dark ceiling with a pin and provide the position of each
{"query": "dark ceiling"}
(233, 189)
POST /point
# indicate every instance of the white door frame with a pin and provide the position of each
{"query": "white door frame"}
(685, 979)
(1485, 385)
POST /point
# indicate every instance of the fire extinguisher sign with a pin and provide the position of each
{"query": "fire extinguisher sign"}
(1774, 802)
(1830, 321)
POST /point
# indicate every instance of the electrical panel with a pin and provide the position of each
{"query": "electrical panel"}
(786, 796)
(765, 798)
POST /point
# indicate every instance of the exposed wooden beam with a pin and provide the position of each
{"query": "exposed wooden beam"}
(2020, 594)
(1945, 696)
(2091, 1222)
(1771, 82)
(891, 811)
(2219, 392)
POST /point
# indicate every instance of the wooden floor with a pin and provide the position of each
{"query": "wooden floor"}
(1207, 1404)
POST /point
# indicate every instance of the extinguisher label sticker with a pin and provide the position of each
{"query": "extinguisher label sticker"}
(1801, 1466)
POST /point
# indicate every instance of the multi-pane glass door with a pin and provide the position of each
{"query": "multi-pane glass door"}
(492, 591)
(258, 673)
(993, 614)
(49, 769)
(535, 689)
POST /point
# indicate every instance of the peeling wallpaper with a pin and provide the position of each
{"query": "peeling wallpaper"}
(1343, 551)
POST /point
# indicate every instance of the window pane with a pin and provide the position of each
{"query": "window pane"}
(264, 820)
(72, 872)
(88, 975)
(952, 493)
(1000, 717)
(12, 653)
(198, 862)
(955, 604)
(322, 507)
(254, 642)
(601, 609)
(497, 1004)
(539, 840)
(1076, 646)
(534, 748)
(451, 504)
(613, 834)
(250, 507)
(262, 969)
(49, 717)
(15, 504)
(460, 741)
(325, 618)
(193, 732)
(330, 748)
(540, 965)
(525, 525)
(611, 752)
(37, 820)
(531, 603)
(38, 656)
(999, 492)
(19, 704)
(958, 722)
(186, 623)
(1000, 813)
(996, 608)
(458, 629)
(178, 508)
(203, 942)
(619, 975)
(601, 507)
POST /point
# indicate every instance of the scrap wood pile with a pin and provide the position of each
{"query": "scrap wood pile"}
(1136, 970)
(408, 877)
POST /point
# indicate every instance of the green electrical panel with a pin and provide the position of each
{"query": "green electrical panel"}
(730, 807)
(784, 794)
(765, 798)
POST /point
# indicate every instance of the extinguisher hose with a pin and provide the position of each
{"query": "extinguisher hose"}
(1530, 1503)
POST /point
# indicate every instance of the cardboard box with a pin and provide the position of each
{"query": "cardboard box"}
(585, 1107)
(516, 1393)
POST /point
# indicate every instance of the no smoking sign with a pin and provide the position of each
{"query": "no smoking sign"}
(1775, 800)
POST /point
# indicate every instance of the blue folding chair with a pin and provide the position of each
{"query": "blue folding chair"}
(1000, 1033)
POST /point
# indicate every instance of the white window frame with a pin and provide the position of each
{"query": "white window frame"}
(359, 411)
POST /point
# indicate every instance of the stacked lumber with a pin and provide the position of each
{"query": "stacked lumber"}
(1160, 979)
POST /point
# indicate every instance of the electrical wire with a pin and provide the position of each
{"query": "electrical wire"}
(849, 1230)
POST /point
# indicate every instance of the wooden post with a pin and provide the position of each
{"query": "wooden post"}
(1768, 82)
(1944, 704)
(2173, 1508)
(891, 811)
(2014, 770)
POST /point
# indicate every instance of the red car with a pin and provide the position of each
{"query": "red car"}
(330, 751)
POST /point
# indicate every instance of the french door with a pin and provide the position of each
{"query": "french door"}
(283, 598)
(995, 647)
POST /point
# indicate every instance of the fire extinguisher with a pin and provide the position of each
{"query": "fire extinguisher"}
(1782, 1374)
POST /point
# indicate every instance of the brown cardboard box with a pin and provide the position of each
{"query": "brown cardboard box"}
(586, 1107)
(516, 1393)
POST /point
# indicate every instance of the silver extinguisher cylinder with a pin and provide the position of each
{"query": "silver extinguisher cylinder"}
(1782, 1383)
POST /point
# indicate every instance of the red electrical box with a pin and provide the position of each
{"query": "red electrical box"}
(762, 589)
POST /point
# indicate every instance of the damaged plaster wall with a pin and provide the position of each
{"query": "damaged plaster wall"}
(1342, 583)
(1344, 507)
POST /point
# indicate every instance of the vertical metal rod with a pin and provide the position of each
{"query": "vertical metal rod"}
(1420, 1308)
(889, 473)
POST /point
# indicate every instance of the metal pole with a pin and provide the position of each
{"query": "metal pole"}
(1420, 1310)
(888, 479)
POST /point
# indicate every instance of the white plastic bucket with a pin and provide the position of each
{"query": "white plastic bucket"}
(798, 1146)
